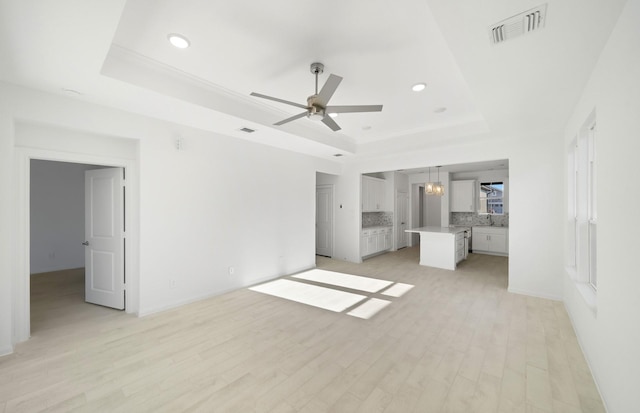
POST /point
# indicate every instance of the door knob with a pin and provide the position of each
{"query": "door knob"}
(86, 243)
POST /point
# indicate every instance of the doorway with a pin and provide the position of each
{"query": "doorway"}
(23, 156)
(59, 250)
(324, 220)
(432, 210)
(402, 205)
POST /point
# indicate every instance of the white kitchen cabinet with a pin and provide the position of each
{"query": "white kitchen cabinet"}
(490, 240)
(463, 196)
(374, 240)
(373, 194)
(380, 239)
(388, 238)
(460, 247)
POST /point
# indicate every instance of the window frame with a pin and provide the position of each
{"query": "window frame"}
(581, 253)
(486, 199)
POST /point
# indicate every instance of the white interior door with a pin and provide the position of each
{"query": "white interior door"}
(104, 237)
(402, 203)
(324, 220)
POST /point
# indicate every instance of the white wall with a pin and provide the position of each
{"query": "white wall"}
(535, 250)
(7, 223)
(57, 215)
(220, 202)
(326, 179)
(610, 337)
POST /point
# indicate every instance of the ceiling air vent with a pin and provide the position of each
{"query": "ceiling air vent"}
(247, 130)
(529, 21)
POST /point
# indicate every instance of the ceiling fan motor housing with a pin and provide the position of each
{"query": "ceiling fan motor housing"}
(316, 111)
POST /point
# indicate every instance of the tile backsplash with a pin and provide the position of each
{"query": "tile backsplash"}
(471, 219)
(377, 219)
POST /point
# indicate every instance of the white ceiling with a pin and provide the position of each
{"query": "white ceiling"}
(248, 46)
(116, 53)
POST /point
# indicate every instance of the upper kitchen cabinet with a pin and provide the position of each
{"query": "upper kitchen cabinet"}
(373, 194)
(463, 196)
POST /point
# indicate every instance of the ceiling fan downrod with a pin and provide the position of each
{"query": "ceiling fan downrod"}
(317, 69)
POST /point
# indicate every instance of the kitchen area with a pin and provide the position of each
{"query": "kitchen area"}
(449, 211)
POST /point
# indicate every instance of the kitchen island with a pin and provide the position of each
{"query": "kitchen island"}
(442, 247)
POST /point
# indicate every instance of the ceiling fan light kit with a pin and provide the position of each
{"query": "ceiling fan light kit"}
(317, 104)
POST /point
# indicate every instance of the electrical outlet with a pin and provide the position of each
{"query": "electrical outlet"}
(172, 283)
(52, 255)
(231, 270)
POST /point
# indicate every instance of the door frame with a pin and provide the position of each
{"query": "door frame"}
(333, 213)
(22, 275)
(407, 220)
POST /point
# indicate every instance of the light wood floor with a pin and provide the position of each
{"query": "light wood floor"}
(457, 342)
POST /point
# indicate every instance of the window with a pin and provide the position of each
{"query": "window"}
(491, 198)
(591, 207)
(582, 206)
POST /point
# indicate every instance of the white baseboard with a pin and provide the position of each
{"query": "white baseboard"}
(143, 313)
(586, 356)
(5, 351)
(535, 294)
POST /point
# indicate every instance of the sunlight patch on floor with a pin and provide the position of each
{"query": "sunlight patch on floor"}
(333, 299)
(326, 298)
(369, 308)
(353, 282)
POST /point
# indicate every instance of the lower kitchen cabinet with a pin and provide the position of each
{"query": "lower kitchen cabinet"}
(374, 240)
(460, 245)
(490, 240)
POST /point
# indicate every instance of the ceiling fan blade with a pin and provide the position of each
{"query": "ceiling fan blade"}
(327, 120)
(353, 108)
(298, 105)
(298, 116)
(328, 89)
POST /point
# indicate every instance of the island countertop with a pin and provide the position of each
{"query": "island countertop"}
(439, 230)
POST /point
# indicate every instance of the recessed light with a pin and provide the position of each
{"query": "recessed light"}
(366, 128)
(439, 110)
(418, 87)
(333, 115)
(178, 40)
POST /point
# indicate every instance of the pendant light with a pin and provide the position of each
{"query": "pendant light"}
(429, 186)
(438, 188)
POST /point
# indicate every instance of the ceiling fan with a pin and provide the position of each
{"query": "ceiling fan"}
(316, 107)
